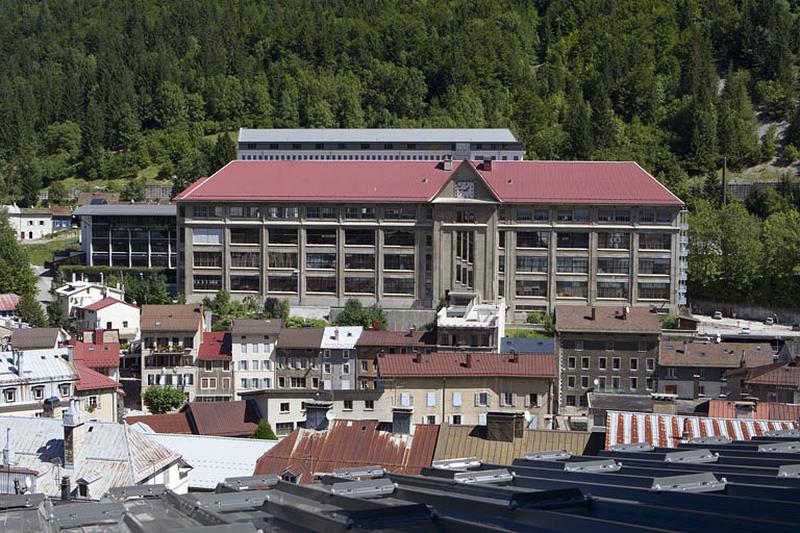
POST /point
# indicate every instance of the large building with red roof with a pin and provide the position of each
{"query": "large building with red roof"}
(407, 233)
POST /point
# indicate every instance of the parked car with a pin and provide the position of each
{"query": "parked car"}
(745, 331)
(717, 315)
(769, 321)
(796, 326)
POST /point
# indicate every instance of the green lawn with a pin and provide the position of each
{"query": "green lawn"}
(41, 252)
(527, 334)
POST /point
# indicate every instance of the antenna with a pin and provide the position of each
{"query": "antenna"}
(329, 415)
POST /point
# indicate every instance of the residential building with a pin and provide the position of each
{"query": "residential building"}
(34, 381)
(93, 456)
(387, 144)
(130, 235)
(373, 343)
(299, 358)
(8, 305)
(697, 369)
(339, 357)
(80, 294)
(253, 349)
(214, 368)
(110, 314)
(464, 387)
(604, 349)
(171, 337)
(62, 218)
(29, 223)
(24, 339)
(223, 419)
(466, 323)
(99, 355)
(778, 382)
(97, 395)
(535, 233)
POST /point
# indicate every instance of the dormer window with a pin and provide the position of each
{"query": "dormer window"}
(38, 393)
(63, 389)
(10, 395)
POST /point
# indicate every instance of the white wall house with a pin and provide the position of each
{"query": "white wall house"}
(30, 223)
(110, 314)
(81, 294)
(253, 350)
(30, 377)
(339, 357)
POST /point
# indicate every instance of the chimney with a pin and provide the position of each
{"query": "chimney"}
(686, 348)
(514, 356)
(594, 312)
(8, 453)
(336, 334)
(18, 354)
(625, 312)
(74, 432)
(417, 356)
(65, 492)
(412, 330)
(468, 360)
(48, 409)
(447, 164)
(487, 165)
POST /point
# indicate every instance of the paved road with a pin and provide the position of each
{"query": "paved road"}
(734, 326)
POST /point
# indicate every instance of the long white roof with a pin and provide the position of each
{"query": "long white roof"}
(38, 366)
(365, 135)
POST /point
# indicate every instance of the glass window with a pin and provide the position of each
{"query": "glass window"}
(571, 239)
(400, 213)
(359, 213)
(245, 235)
(245, 259)
(359, 261)
(282, 236)
(359, 285)
(532, 239)
(321, 236)
(206, 236)
(208, 259)
(245, 283)
(282, 283)
(321, 284)
(244, 212)
(359, 237)
(207, 211)
(612, 289)
(282, 259)
(649, 265)
(614, 240)
(321, 260)
(207, 283)
(526, 263)
(654, 291)
(398, 261)
(321, 213)
(572, 264)
(572, 289)
(528, 287)
(613, 265)
(398, 238)
(282, 213)
(655, 241)
(398, 285)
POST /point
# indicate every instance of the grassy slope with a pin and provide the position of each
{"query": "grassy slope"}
(41, 252)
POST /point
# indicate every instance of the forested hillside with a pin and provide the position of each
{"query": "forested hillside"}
(102, 90)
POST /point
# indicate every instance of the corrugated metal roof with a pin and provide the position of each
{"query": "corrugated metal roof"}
(524, 345)
(38, 366)
(8, 301)
(349, 443)
(214, 458)
(470, 441)
(127, 210)
(667, 431)
(365, 135)
(782, 374)
(446, 364)
(166, 423)
(778, 411)
(607, 319)
(340, 337)
(530, 182)
(225, 419)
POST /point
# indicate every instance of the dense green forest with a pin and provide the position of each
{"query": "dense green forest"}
(102, 90)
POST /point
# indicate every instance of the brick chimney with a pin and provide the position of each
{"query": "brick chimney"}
(447, 164)
(487, 165)
(625, 312)
(514, 356)
(594, 312)
(74, 433)
(468, 360)
(417, 356)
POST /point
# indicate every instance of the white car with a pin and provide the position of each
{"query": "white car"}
(717, 315)
(745, 331)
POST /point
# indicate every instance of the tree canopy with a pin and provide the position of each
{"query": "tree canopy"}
(160, 400)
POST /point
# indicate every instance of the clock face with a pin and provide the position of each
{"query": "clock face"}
(465, 189)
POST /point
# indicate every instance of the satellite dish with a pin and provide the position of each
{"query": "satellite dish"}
(329, 415)
(596, 382)
(28, 482)
(527, 416)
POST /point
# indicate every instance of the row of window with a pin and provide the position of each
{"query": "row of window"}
(602, 382)
(317, 236)
(480, 399)
(608, 240)
(580, 289)
(12, 394)
(616, 362)
(315, 284)
(582, 215)
(398, 213)
(580, 265)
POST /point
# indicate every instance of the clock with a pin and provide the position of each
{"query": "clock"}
(465, 189)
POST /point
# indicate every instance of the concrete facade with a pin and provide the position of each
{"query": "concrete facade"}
(119, 316)
(253, 348)
(80, 294)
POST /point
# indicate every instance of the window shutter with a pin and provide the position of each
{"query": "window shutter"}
(456, 399)
(527, 400)
(477, 399)
(514, 398)
(482, 419)
(431, 399)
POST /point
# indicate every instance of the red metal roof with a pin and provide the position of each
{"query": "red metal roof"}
(448, 364)
(96, 355)
(106, 302)
(545, 182)
(8, 301)
(782, 375)
(223, 419)
(89, 379)
(778, 411)
(216, 345)
(390, 338)
(349, 443)
(167, 423)
(667, 431)
(722, 409)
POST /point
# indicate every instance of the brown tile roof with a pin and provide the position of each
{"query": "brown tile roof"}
(447, 364)
(300, 337)
(60, 211)
(216, 345)
(223, 419)
(779, 374)
(167, 423)
(243, 326)
(391, 338)
(171, 317)
(349, 443)
(578, 318)
(34, 338)
(676, 352)
(470, 441)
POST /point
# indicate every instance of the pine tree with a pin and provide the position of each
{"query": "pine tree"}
(30, 311)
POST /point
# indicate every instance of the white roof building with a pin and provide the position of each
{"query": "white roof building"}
(83, 293)
(340, 337)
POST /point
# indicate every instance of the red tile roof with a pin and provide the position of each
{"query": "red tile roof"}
(167, 423)
(106, 302)
(545, 182)
(677, 352)
(781, 374)
(349, 443)
(390, 338)
(8, 301)
(216, 345)
(448, 364)
(96, 355)
(609, 318)
(89, 379)
(223, 419)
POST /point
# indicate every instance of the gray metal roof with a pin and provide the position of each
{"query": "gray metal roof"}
(525, 345)
(389, 135)
(128, 210)
(38, 366)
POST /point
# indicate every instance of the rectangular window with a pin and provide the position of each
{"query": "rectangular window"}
(572, 264)
(398, 286)
(321, 236)
(572, 239)
(601, 383)
(321, 284)
(283, 428)
(650, 364)
(282, 283)
(634, 383)
(393, 261)
(354, 261)
(507, 399)
(207, 283)
(325, 261)
(572, 289)
(399, 213)
(430, 399)
(585, 382)
(208, 366)
(282, 213)
(649, 265)
(284, 407)
(244, 212)
(655, 241)
(455, 420)
(615, 383)
(321, 213)
(613, 265)
(571, 362)
(208, 259)
(245, 283)
(571, 380)
(615, 363)
(282, 259)
(282, 236)
(207, 211)
(206, 236)
(359, 285)
(529, 287)
(359, 237)
(654, 291)
(532, 239)
(613, 240)
(601, 363)
(456, 399)
(612, 289)
(298, 383)
(347, 405)
(482, 399)
(245, 236)
(570, 399)
(584, 363)
(245, 259)
(359, 213)
(531, 264)
(398, 238)
(634, 363)
(614, 216)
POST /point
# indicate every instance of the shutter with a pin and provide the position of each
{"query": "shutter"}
(482, 419)
(477, 399)
(538, 400)
(526, 400)
(456, 399)
(345, 384)
(514, 399)
(431, 399)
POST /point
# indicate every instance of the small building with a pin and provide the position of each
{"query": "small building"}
(462, 388)
(223, 419)
(171, 337)
(100, 356)
(8, 305)
(29, 223)
(62, 218)
(299, 358)
(468, 323)
(253, 349)
(697, 369)
(34, 382)
(110, 314)
(80, 294)
(214, 370)
(97, 394)
(372, 343)
(609, 349)
(778, 382)
(339, 357)
(24, 339)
